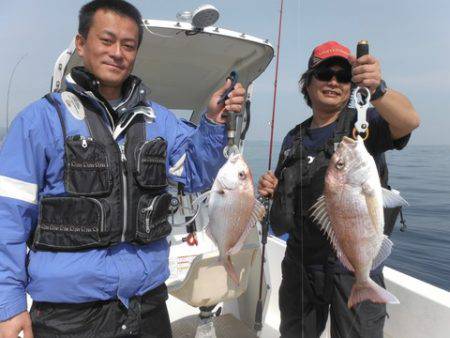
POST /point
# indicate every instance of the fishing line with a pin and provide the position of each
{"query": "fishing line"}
(265, 201)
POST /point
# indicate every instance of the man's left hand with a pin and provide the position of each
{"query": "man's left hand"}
(366, 72)
(234, 102)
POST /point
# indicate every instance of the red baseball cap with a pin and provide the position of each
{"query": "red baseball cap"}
(327, 50)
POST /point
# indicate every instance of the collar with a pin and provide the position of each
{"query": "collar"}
(82, 83)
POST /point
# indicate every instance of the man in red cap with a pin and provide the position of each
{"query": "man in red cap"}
(313, 280)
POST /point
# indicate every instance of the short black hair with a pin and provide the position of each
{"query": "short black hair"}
(119, 7)
(305, 79)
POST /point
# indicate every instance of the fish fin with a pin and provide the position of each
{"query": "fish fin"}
(383, 253)
(208, 231)
(339, 253)
(257, 214)
(374, 210)
(392, 198)
(259, 211)
(230, 270)
(369, 290)
(240, 243)
(320, 215)
(210, 235)
(344, 260)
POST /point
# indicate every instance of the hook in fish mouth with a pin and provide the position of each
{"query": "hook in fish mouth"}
(234, 157)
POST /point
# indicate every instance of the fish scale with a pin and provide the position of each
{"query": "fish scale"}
(350, 213)
(232, 210)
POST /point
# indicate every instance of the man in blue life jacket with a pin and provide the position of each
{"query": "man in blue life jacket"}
(313, 282)
(83, 177)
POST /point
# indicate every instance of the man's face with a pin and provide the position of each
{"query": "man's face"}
(110, 49)
(330, 92)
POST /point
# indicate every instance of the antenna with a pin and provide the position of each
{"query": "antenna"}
(9, 88)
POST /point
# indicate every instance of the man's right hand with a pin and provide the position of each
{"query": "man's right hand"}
(267, 184)
(12, 327)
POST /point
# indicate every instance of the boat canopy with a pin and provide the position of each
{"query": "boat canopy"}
(183, 66)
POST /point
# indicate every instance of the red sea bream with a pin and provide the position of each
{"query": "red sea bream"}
(350, 212)
(233, 210)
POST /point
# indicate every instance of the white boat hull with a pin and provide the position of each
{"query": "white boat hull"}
(424, 310)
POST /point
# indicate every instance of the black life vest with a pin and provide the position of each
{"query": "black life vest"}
(113, 194)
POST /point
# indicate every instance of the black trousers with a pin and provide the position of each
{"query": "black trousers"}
(146, 317)
(306, 299)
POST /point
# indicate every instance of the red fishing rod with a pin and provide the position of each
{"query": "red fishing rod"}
(265, 222)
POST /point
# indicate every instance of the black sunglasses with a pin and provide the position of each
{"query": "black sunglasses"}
(326, 74)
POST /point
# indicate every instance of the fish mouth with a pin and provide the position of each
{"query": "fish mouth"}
(348, 140)
(348, 143)
(234, 158)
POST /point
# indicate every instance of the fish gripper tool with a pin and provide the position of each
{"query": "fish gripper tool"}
(231, 118)
(361, 98)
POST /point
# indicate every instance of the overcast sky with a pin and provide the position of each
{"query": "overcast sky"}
(410, 37)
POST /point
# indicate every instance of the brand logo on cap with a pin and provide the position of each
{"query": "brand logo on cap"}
(331, 51)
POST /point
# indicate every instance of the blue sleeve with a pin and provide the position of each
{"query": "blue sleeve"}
(195, 153)
(380, 138)
(22, 171)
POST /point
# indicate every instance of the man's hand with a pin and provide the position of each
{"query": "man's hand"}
(267, 184)
(366, 72)
(234, 102)
(12, 327)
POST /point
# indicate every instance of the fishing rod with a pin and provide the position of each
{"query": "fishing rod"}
(265, 201)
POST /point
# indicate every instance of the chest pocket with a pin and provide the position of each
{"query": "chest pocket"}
(87, 169)
(150, 164)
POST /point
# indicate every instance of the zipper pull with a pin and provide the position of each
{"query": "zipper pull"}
(147, 223)
(147, 212)
(84, 143)
(123, 157)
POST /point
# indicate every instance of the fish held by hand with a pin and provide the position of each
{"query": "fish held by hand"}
(233, 210)
(350, 212)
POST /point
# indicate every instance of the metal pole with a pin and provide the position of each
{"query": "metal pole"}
(9, 88)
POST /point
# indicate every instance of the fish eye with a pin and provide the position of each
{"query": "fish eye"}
(340, 165)
(242, 175)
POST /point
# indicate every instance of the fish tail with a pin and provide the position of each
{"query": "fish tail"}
(230, 269)
(369, 290)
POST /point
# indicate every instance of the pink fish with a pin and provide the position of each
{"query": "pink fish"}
(350, 212)
(233, 210)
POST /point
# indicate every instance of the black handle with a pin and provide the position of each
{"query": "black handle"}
(234, 78)
(362, 48)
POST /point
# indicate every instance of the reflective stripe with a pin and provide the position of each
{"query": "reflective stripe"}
(177, 169)
(20, 190)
